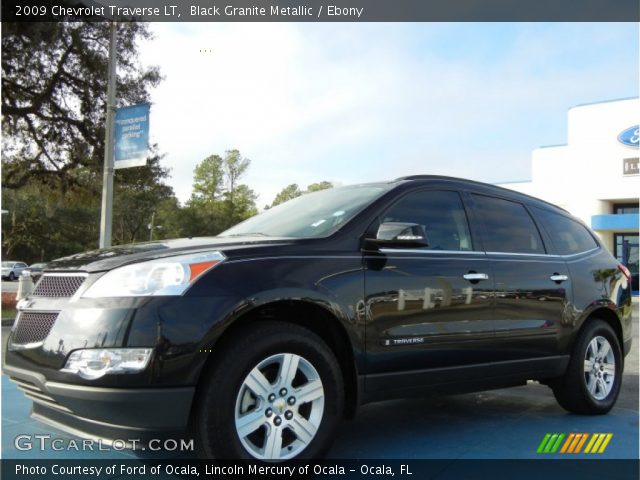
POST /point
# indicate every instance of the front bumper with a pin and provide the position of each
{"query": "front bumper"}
(108, 413)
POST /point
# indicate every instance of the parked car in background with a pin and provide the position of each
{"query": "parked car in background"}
(35, 271)
(261, 339)
(12, 269)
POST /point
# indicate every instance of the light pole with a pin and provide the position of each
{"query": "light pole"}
(107, 179)
(151, 226)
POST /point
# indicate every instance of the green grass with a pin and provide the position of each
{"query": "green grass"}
(9, 313)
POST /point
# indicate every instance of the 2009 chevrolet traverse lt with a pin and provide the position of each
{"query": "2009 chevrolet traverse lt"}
(258, 341)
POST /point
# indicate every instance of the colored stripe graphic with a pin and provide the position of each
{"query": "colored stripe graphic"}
(581, 443)
(550, 443)
(556, 445)
(574, 442)
(606, 442)
(598, 443)
(543, 443)
(591, 442)
(568, 442)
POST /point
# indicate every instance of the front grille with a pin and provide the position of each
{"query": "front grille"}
(58, 285)
(33, 327)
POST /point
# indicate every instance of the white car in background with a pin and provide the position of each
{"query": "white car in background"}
(12, 270)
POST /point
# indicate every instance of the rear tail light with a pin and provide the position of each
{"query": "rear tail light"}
(625, 271)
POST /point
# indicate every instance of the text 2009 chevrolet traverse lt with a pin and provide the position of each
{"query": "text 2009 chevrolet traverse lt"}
(258, 341)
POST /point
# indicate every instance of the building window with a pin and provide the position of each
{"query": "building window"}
(626, 251)
(623, 208)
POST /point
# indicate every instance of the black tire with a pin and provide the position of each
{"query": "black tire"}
(12, 276)
(217, 408)
(571, 390)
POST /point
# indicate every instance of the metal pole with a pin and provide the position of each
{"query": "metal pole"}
(151, 227)
(107, 179)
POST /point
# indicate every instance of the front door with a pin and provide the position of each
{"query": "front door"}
(428, 308)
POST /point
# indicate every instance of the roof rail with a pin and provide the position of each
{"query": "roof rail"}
(425, 177)
(457, 179)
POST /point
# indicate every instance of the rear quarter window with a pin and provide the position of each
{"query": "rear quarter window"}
(568, 236)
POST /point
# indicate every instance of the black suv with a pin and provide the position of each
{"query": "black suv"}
(258, 341)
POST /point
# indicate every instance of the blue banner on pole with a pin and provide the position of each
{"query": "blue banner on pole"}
(131, 136)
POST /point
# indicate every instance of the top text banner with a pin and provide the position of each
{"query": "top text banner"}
(323, 11)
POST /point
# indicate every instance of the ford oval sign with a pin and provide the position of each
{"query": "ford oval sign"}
(630, 137)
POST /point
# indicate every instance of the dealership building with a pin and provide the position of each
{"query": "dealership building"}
(595, 175)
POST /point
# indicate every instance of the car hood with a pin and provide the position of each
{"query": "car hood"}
(109, 258)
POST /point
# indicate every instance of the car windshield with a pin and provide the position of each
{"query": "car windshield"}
(7, 264)
(37, 265)
(311, 215)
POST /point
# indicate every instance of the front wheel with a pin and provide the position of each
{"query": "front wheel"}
(592, 381)
(275, 393)
(12, 276)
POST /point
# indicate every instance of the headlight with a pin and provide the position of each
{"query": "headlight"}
(165, 276)
(94, 363)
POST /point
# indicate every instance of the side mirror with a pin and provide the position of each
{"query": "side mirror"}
(397, 234)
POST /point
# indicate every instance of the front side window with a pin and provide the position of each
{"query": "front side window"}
(508, 227)
(568, 236)
(440, 213)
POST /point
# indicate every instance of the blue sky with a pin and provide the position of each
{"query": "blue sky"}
(350, 102)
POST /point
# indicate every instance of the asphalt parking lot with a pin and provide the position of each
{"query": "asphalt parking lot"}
(499, 424)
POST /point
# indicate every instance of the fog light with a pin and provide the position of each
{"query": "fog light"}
(95, 363)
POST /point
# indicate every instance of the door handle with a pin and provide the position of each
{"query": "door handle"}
(475, 277)
(556, 277)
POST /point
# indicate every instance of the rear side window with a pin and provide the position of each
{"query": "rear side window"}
(508, 227)
(568, 236)
(440, 212)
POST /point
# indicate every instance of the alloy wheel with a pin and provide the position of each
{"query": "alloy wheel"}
(599, 368)
(279, 407)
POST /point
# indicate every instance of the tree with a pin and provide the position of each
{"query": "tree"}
(235, 166)
(54, 78)
(314, 187)
(218, 200)
(138, 192)
(208, 179)
(287, 193)
(45, 222)
(293, 191)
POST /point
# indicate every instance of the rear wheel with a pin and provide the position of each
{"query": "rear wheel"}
(276, 393)
(591, 383)
(12, 276)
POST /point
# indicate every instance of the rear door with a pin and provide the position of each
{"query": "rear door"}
(427, 308)
(532, 286)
